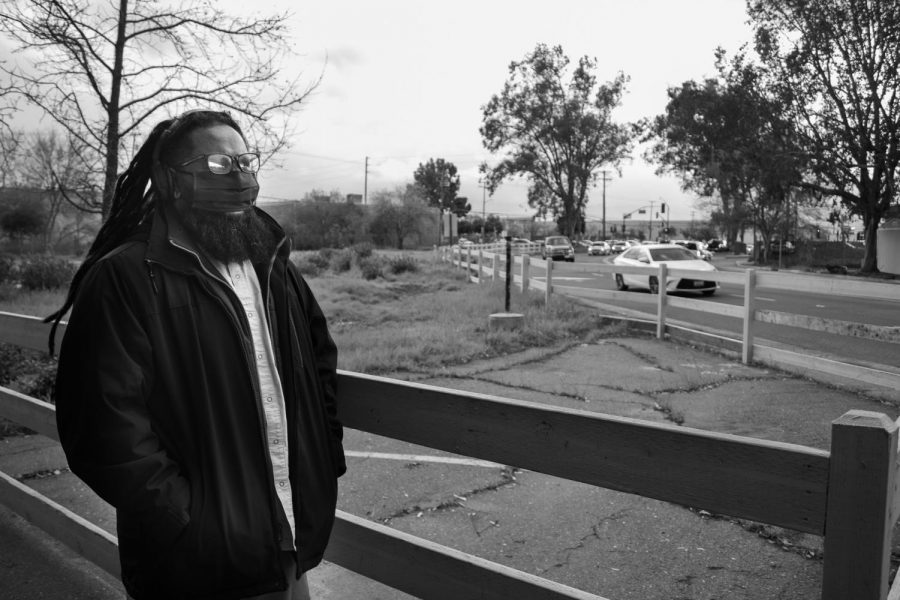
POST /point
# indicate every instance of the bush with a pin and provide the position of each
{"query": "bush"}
(307, 264)
(371, 268)
(403, 264)
(363, 250)
(45, 272)
(7, 268)
(342, 260)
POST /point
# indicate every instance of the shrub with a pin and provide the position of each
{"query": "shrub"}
(371, 268)
(363, 250)
(45, 272)
(306, 265)
(342, 260)
(7, 268)
(403, 264)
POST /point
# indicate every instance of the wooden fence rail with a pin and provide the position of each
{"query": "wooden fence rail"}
(748, 313)
(848, 495)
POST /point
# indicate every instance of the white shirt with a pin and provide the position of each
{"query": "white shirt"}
(246, 285)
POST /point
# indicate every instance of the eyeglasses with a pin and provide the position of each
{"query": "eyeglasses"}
(223, 164)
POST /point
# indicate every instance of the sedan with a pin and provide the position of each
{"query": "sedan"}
(618, 246)
(671, 255)
(600, 248)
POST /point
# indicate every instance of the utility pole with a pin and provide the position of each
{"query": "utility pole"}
(483, 200)
(650, 222)
(604, 179)
(366, 184)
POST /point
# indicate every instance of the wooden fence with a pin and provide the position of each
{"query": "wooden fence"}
(482, 265)
(848, 495)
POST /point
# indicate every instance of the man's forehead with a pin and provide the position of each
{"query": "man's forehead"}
(215, 138)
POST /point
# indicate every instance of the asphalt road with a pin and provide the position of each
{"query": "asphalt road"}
(861, 310)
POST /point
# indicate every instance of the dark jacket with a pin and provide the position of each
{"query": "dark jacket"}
(158, 409)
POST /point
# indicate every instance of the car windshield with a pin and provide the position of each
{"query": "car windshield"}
(558, 241)
(663, 254)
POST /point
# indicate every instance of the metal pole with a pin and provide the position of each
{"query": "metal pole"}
(483, 200)
(508, 269)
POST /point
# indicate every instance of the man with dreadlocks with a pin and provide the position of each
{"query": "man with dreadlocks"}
(197, 378)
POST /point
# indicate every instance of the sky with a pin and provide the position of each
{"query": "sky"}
(404, 81)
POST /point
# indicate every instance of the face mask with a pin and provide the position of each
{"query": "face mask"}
(234, 192)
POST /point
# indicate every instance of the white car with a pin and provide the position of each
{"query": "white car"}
(673, 256)
(599, 248)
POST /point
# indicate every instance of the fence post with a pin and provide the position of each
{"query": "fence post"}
(749, 318)
(526, 262)
(549, 289)
(858, 524)
(495, 267)
(480, 266)
(661, 302)
(469, 263)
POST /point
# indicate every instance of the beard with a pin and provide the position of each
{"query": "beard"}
(229, 238)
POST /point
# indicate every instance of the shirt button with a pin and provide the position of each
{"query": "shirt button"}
(237, 276)
(281, 483)
(275, 441)
(259, 356)
(268, 398)
(250, 314)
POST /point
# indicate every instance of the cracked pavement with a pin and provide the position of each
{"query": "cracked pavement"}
(613, 544)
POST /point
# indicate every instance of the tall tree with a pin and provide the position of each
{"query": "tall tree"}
(101, 70)
(728, 138)
(837, 62)
(438, 181)
(554, 132)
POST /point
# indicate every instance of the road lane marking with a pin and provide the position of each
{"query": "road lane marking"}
(424, 458)
(757, 298)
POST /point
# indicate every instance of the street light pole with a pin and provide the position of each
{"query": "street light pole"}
(604, 179)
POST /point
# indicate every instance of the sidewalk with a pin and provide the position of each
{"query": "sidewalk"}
(616, 545)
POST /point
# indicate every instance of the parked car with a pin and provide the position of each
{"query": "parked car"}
(618, 246)
(558, 247)
(672, 255)
(786, 247)
(599, 248)
(717, 245)
(698, 248)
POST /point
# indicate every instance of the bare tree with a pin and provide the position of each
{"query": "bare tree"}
(53, 164)
(102, 69)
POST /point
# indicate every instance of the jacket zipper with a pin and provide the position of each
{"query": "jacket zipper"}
(248, 362)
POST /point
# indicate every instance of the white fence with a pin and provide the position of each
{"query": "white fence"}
(482, 265)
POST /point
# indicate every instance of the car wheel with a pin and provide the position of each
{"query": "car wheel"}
(708, 292)
(570, 259)
(654, 285)
(620, 283)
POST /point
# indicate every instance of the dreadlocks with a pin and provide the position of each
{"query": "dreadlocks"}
(138, 190)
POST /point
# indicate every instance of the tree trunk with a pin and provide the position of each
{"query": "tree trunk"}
(870, 262)
(112, 114)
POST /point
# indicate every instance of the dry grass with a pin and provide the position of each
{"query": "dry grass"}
(434, 318)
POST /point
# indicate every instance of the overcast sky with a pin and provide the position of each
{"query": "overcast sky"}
(405, 81)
